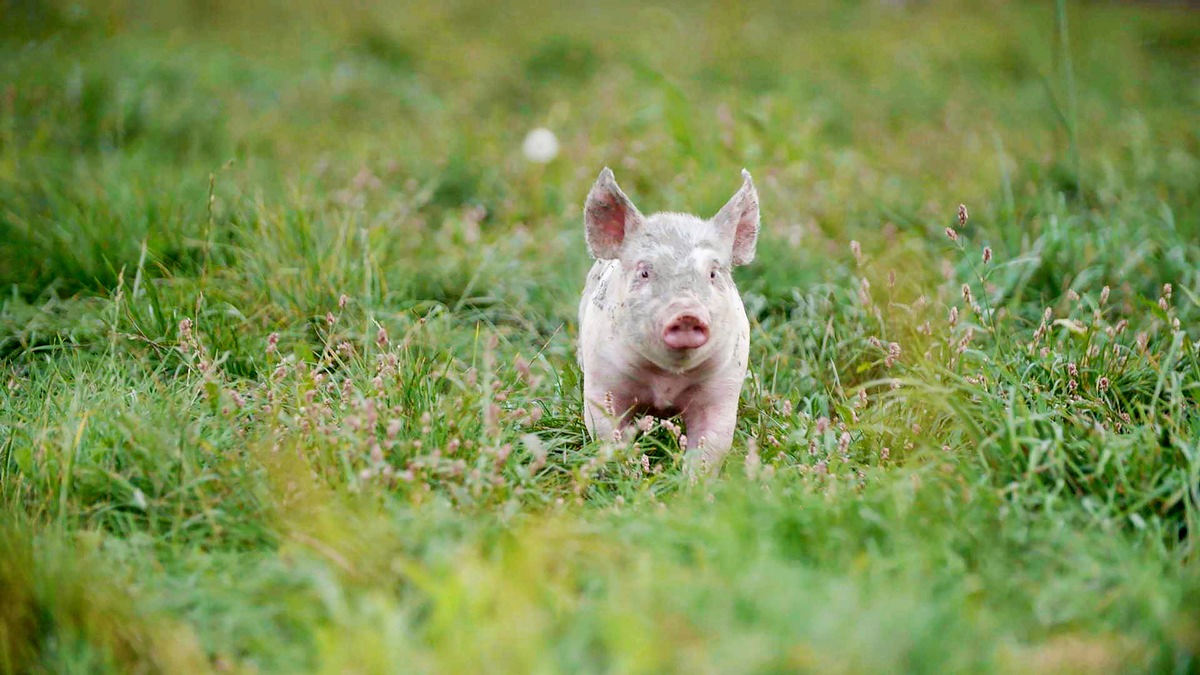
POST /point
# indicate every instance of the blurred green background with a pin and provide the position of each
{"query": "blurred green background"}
(853, 115)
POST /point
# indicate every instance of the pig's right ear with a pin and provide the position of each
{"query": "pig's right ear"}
(608, 217)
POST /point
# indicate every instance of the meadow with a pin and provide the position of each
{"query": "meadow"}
(287, 333)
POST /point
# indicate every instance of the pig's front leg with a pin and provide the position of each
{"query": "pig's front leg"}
(604, 412)
(709, 423)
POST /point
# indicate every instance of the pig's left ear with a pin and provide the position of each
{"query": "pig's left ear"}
(737, 221)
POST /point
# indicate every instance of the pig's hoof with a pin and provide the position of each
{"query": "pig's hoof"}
(697, 464)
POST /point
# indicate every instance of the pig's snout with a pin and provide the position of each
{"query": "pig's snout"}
(687, 330)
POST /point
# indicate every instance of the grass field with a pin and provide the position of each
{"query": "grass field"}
(287, 376)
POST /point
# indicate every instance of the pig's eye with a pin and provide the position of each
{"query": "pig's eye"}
(712, 275)
(645, 274)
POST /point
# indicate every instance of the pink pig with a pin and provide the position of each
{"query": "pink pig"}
(662, 328)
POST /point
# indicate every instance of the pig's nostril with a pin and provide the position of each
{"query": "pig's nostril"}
(686, 332)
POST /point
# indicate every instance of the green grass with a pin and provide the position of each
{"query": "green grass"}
(210, 461)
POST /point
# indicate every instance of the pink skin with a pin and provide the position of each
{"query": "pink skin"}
(706, 397)
(686, 331)
(663, 331)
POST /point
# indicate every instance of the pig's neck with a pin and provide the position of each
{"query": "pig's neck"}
(641, 367)
(665, 392)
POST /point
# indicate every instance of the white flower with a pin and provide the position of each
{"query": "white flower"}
(541, 145)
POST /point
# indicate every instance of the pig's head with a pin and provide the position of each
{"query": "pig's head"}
(674, 297)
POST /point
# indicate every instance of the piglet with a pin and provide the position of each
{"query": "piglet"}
(662, 328)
